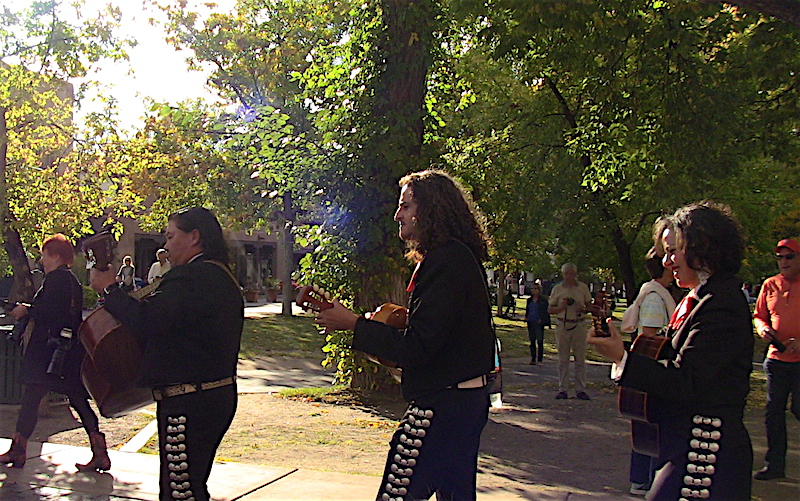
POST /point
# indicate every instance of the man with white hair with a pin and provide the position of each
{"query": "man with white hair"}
(569, 302)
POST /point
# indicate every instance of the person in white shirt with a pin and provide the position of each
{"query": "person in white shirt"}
(648, 314)
(160, 267)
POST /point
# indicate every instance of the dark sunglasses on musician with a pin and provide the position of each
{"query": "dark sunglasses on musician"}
(787, 257)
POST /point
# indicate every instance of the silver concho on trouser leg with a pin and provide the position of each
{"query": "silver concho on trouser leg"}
(704, 446)
(175, 452)
(417, 421)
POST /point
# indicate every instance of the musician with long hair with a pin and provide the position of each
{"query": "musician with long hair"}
(446, 349)
(698, 391)
(53, 354)
(190, 330)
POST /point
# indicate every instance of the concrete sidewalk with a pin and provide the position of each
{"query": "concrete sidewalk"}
(50, 474)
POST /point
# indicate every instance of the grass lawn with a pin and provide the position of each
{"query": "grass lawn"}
(278, 335)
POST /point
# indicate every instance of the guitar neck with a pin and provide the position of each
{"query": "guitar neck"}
(313, 298)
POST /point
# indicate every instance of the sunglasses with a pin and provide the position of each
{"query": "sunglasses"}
(787, 257)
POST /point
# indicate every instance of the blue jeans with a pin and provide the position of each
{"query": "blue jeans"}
(536, 335)
(783, 378)
(643, 469)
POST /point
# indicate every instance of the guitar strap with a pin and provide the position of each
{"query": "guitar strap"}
(227, 271)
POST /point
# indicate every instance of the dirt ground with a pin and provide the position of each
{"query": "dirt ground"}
(563, 445)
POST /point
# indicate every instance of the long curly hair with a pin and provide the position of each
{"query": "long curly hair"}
(708, 234)
(445, 211)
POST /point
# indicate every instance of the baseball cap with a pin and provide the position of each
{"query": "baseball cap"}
(789, 244)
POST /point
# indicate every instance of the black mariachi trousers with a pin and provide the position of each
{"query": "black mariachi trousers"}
(435, 448)
(190, 428)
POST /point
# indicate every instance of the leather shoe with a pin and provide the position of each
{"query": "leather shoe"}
(583, 396)
(766, 473)
(561, 395)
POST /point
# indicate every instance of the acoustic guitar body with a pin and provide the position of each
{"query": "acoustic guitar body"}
(396, 316)
(636, 406)
(112, 365)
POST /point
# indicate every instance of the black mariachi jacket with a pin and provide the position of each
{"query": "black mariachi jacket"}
(707, 376)
(449, 337)
(190, 328)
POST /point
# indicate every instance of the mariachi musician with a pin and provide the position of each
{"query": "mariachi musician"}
(190, 329)
(700, 389)
(445, 351)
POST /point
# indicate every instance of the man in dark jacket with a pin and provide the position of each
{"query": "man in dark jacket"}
(446, 349)
(190, 329)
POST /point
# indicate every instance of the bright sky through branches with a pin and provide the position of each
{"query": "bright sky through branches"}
(155, 69)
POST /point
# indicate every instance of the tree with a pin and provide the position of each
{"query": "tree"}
(256, 51)
(786, 10)
(617, 111)
(39, 52)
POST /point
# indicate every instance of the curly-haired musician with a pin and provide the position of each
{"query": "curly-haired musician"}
(700, 387)
(446, 349)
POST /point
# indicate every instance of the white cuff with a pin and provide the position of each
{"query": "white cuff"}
(618, 368)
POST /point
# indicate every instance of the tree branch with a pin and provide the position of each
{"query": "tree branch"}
(785, 10)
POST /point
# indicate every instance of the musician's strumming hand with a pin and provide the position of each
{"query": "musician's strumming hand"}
(337, 318)
(19, 311)
(99, 280)
(610, 347)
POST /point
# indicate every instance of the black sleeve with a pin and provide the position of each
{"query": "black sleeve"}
(51, 304)
(157, 315)
(714, 353)
(437, 300)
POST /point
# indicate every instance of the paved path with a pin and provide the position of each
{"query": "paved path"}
(50, 474)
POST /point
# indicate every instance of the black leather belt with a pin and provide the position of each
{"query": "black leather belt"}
(184, 388)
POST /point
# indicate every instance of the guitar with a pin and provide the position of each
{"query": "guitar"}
(314, 298)
(113, 353)
(635, 405)
(600, 311)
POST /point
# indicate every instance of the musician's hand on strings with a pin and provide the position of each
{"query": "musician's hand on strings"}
(19, 311)
(337, 318)
(99, 280)
(610, 347)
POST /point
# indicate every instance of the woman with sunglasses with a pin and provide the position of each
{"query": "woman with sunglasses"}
(698, 390)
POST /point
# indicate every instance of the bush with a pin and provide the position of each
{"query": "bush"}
(90, 298)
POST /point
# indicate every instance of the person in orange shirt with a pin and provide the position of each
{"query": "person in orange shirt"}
(777, 319)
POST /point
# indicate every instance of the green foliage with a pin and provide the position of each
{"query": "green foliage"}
(586, 119)
(90, 298)
(43, 186)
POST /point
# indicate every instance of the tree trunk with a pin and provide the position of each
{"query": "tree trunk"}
(286, 254)
(22, 288)
(501, 289)
(398, 110)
